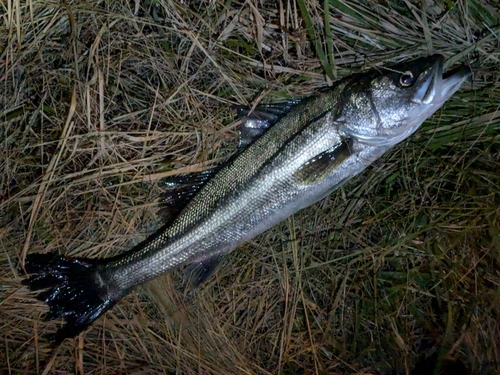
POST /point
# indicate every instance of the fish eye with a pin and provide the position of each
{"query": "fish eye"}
(406, 79)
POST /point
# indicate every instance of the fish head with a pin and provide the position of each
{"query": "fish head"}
(385, 106)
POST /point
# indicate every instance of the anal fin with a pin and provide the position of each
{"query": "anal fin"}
(199, 272)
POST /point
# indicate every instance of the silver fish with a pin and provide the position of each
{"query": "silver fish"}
(292, 155)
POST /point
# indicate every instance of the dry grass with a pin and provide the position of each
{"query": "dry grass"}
(99, 102)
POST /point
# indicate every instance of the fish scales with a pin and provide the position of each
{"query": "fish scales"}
(298, 153)
(248, 191)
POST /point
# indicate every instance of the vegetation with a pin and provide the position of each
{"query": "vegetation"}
(101, 100)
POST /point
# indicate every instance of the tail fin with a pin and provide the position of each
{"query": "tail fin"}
(76, 291)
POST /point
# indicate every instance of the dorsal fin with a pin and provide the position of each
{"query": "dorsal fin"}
(181, 189)
(260, 119)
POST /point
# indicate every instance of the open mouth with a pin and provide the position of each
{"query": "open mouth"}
(452, 80)
(426, 93)
(440, 86)
(435, 91)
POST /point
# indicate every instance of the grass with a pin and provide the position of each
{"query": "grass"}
(99, 102)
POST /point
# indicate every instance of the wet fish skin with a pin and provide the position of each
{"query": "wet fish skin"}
(318, 145)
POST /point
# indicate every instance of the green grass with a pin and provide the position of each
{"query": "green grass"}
(97, 105)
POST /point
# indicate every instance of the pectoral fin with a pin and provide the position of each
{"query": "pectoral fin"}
(322, 165)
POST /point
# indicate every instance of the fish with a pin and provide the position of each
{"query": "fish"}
(290, 155)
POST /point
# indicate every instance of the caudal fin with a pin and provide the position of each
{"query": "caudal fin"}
(75, 291)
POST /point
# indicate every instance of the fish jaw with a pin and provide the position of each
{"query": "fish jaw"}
(446, 87)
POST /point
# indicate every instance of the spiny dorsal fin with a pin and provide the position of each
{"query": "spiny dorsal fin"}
(181, 189)
(260, 119)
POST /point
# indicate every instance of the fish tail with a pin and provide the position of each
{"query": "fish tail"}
(75, 291)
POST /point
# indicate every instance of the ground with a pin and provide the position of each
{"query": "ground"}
(101, 101)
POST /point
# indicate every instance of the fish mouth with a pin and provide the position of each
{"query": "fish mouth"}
(439, 86)
(435, 88)
(452, 81)
(433, 93)
(428, 89)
